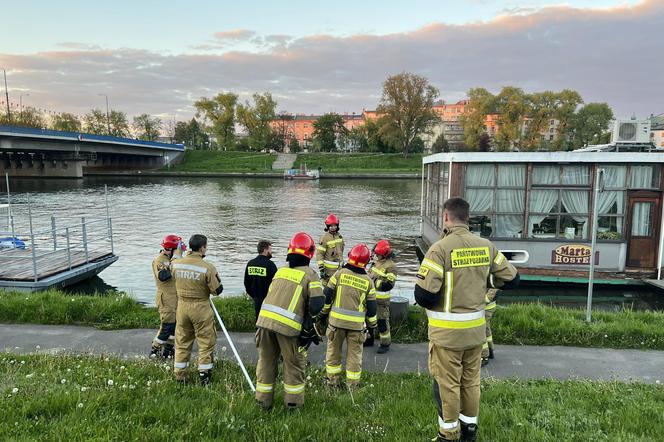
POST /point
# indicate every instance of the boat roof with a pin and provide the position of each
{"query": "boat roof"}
(545, 157)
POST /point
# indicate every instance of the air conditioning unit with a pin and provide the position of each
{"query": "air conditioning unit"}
(631, 131)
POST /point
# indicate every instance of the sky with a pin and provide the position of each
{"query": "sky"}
(160, 56)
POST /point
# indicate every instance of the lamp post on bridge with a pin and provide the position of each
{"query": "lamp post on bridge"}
(9, 115)
(20, 104)
(108, 115)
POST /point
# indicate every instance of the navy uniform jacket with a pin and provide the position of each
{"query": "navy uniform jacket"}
(258, 275)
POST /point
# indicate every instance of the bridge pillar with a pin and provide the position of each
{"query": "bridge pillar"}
(35, 167)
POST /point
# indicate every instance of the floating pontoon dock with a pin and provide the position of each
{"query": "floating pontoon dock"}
(71, 250)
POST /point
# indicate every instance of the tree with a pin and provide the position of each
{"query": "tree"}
(119, 124)
(66, 122)
(327, 129)
(191, 134)
(541, 109)
(283, 134)
(219, 112)
(407, 108)
(440, 145)
(256, 119)
(146, 127)
(30, 117)
(484, 143)
(590, 125)
(294, 146)
(375, 142)
(480, 103)
(512, 106)
(567, 101)
(94, 122)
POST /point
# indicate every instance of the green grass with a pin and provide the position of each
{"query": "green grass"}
(367, 163)
(69, 397)
(516, 324)
(213, 161)
(109, 311)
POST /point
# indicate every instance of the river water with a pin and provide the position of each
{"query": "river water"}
(235, 213)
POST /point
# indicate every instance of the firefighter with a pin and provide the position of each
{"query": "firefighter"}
(330, 249)
(259, 273)
(166, 300)
(350, 301)
(195, 280)
(451, 285)
(293, 299)
(383, 273)
(490, 309)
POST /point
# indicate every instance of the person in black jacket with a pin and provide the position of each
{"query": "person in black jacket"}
(259, 273)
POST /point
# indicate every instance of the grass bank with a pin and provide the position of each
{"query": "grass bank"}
(516, 324)
(369, 162)
(213, 161)
(95, 398)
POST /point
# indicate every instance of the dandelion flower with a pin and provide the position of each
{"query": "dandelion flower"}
(223, 348)
(14, 390)
(110, 382)
(63, 381)
(122, 367)
(84, 389)
(28, 376)
(80, 405)
(22, 362)
(38, 347)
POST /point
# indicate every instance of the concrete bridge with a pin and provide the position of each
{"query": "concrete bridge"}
(27, 152)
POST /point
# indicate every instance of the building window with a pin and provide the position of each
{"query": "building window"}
(496, 194)
(550, 137)
(559, 202)
(552, 122)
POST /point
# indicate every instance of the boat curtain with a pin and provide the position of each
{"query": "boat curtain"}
(577, 201)
(641, 177)
(542, 201)
(641, 219)
(481, 175)
(510, 200)
(614, 178)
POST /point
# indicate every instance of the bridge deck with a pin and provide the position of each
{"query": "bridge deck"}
(16, 264)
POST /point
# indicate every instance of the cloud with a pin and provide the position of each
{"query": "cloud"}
(611, 55)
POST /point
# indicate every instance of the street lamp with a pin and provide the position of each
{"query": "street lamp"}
(9, 115)
(108, 116)
(20, 104)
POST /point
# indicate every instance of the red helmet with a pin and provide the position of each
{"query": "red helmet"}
(359, 256)
(171, 242)
(331, 219)
(383, 248)
(302, 244)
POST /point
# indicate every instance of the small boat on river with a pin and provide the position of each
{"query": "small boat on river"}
(301, 174)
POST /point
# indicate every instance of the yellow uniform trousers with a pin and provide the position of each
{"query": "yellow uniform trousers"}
(488, 314)
(456, 387)
(194, 321)
(335, 340)
(384, 321)
(270, 345)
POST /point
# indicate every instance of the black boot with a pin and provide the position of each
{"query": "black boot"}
(169, 351)
(485, 361)
(383, 349)
(369, 341)
(155, 351)
(205, 377)
(490, 352)
(468, 432)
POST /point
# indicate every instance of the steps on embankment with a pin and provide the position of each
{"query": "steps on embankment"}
(284, 161)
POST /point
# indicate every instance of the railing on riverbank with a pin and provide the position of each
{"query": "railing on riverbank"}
(34, 254)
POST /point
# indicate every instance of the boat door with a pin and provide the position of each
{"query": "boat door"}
(642, 229)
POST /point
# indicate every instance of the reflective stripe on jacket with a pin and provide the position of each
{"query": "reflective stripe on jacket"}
(383, 270)
(330, 250)
(459, 267)
(348, 307)
(287, 300)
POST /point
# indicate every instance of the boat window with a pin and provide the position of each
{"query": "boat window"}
(576, 175)
(644, 177)
(496, 211)
(641, 219)
(546, 175)
(614, 176)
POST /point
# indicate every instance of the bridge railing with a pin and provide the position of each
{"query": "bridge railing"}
(85, 137)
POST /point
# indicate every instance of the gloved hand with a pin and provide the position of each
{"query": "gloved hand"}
(321, 270)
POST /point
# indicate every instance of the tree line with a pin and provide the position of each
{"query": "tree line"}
(405, 118)
(116, 123)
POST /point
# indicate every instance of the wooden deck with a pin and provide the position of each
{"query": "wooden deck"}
(16, 264)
